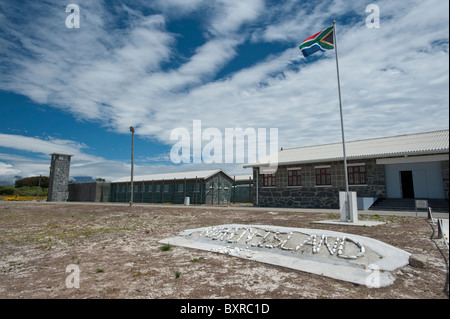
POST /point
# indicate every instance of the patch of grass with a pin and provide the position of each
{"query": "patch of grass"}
(99, 270)
(177, 274)
(196, 260)
(166, 247)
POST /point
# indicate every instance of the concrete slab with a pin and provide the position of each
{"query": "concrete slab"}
(357, 259)
(361, 223)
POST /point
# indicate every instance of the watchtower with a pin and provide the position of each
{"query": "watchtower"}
(58, 190)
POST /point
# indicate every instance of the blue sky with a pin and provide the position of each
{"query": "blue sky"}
(159, 65)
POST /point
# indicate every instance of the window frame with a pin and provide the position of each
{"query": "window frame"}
(297, 177)
(269, 180)
(323, 176)
(360, 173)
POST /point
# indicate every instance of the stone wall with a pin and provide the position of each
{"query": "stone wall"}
(58, 190)
(445, 177)
(311, 196)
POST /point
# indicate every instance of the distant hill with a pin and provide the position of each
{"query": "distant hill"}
(82, 179)
(6, 183)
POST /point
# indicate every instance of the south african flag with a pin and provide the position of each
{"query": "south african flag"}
(320, 41)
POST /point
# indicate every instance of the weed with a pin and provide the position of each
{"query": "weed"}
(177, 274)
(195, 260)
(99, 270)
(166, 247)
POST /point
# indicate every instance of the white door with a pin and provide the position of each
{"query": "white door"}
(420, 183)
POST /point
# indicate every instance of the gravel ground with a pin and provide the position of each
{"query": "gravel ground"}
(116, 251)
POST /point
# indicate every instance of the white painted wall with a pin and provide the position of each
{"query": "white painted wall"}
(427, 179)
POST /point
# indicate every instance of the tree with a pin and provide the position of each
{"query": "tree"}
(7, 190)
(42, 181)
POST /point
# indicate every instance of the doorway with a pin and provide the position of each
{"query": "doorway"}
(407, 184)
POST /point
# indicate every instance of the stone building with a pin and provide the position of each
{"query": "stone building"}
(202, 187)
(58, 189)
(391, 170)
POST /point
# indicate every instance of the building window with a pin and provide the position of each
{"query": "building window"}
(269, 180)
(356, 174)
(180, 188)
(166, 188)
(323, 176)
(294, 177)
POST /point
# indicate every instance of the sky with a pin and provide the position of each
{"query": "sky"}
(160, 65)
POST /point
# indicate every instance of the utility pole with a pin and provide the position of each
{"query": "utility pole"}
(132, 163)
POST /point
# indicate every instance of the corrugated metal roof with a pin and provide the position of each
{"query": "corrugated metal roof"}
(410, 144)
(171, 176)
(242, 178)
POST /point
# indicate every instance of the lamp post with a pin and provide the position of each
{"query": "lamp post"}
(132, 163)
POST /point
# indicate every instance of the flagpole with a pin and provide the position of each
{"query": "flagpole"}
(347, 200)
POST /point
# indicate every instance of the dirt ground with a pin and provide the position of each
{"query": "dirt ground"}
(116, 250)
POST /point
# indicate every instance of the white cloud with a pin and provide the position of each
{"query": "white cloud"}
(46, 147)
(7, 169)
(394, 79)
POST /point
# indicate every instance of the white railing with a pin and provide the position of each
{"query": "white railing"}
(441, 233)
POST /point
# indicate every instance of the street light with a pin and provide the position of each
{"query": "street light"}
(132, 163)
